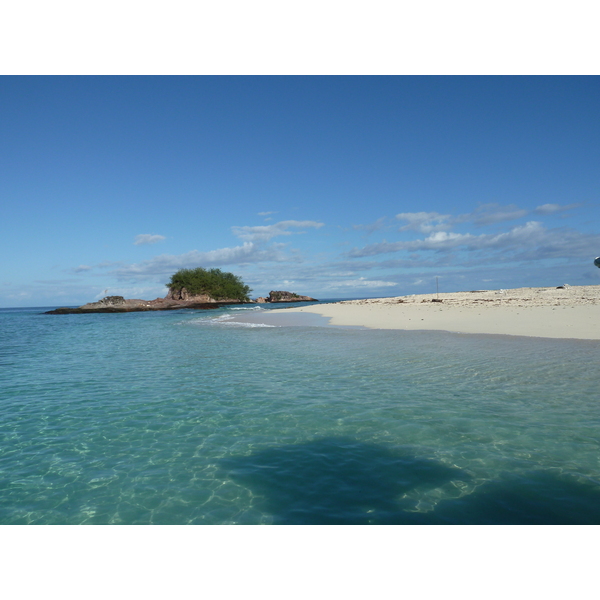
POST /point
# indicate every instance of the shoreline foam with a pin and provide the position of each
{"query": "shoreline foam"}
(572, 312)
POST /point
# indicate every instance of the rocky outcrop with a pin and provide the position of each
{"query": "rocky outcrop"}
(108, 301)
(183, 295)
(172, 301)
(285, 297)
(114, 304)
(118, 304)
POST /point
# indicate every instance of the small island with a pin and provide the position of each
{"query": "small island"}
(188, 288)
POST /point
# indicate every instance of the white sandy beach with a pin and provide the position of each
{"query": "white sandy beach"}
(572, 312)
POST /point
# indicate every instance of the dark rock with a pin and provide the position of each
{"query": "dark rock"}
(183, 295)
(286, 297)
(172, 301)
(118, 304)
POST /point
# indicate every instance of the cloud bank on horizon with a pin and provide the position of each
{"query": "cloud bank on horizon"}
(331, 187)
(419, 247)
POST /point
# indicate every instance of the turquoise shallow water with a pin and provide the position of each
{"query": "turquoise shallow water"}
(191, 417)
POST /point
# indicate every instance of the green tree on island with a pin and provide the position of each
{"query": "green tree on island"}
(214, 282)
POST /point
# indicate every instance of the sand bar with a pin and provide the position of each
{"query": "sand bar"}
(572, 312)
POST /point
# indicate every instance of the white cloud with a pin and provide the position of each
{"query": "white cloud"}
(485, 214)
(264, 233)
(82, 268)
(147, 238)
(362, 282)
(531, 238)
(267, 213)
(488, 214)
(424, 222)
(166, 264)
(370, 228)
(549, 209)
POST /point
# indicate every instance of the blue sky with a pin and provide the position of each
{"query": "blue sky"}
(327, 186)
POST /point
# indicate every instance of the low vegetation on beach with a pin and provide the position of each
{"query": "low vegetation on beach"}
(212, 282)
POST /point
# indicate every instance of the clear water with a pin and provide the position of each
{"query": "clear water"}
(193, 417)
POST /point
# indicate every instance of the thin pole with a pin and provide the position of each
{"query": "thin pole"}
(437, 288)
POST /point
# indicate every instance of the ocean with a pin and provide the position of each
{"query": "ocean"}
(242, 415)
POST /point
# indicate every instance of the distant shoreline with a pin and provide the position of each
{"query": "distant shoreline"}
(572, 312)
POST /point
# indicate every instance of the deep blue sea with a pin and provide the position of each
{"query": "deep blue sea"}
(208, 417)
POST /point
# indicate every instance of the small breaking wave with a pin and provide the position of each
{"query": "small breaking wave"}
(241, 324)
(228, 320)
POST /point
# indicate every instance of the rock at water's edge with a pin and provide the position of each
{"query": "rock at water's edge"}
(285, 297)
(113, 304)
(172, 301)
